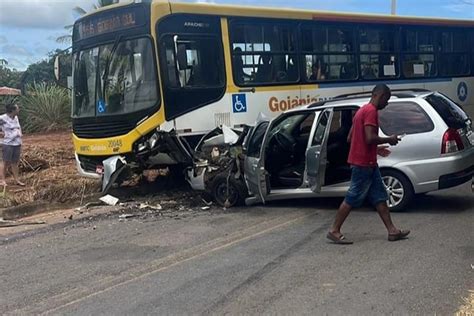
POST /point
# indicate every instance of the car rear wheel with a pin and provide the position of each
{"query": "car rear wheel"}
(399, 189)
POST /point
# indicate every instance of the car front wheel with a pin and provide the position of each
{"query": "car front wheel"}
(228, 191)
(399, 189)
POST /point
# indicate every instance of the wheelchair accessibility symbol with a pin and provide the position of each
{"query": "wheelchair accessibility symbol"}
(100, 106)
(239, 103)
(462, 91)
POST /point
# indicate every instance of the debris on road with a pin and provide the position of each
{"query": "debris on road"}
(145, 205)
(124, 216)
(109, 199)
(89, 205)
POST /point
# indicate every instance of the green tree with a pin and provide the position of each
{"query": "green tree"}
(10, 77)
(42, 71)
(67, 38)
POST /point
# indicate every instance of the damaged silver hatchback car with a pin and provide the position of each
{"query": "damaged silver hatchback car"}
(303, 152)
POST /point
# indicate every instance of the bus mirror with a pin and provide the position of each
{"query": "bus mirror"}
(56, 68)
(180, 53)
(182, 58)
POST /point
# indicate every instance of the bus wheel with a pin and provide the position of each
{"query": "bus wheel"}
(228, 191)
(399, 189)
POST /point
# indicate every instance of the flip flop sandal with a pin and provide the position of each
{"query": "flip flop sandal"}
(341, 240)
(402, 234)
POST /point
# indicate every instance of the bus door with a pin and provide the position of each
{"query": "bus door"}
(192, 65)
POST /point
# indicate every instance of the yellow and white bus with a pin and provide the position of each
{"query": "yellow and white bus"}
(147, 71)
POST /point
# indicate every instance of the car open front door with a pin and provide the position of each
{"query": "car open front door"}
(316, 154)
(254, 169)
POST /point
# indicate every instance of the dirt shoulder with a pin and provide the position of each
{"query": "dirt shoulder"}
(48, 169)
(55, 193)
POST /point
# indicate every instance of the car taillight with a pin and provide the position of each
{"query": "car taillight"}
(451, 141)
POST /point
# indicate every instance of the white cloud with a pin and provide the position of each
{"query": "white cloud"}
(45, 14)
(206, 1)
(15, 63)
(15, 50)
(42, 50)
(461, 7)
(3, 39)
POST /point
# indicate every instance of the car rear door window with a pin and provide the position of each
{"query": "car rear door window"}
(449, 111)
(404, 118)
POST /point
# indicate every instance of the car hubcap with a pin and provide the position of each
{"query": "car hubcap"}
(394, 189)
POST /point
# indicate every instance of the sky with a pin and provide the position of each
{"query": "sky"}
(29, 28)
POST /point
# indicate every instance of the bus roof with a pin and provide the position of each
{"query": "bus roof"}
(298, 14)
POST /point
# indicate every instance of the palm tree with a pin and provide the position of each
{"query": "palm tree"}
(67, 38)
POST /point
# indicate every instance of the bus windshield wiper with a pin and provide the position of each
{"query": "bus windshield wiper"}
(107, 63)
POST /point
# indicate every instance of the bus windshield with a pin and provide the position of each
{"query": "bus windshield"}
(115, 79)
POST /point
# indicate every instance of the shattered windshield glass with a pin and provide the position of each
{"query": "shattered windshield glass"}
(115, 79)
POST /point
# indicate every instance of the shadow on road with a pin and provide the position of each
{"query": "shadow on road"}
(428, 203)
(435, 203)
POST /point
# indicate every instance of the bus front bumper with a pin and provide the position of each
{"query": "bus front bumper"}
(112, 168)
(83, 172)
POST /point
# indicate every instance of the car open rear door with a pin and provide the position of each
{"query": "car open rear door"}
(254, 169)
(316, 154)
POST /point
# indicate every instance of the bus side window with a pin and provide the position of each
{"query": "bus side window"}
(328, 52)
(454, 53)
(472, 51)
(263, 53)
(418, 58)
(265, 70)
(379, 50)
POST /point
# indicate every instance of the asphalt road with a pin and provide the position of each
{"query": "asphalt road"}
(271, 259)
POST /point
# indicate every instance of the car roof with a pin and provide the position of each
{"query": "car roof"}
(360, 98)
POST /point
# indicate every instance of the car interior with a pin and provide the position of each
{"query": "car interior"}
(285, 155)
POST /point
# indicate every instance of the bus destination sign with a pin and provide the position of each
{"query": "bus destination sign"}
(101, 24)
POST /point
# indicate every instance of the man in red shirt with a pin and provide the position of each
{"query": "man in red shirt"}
(366, 180)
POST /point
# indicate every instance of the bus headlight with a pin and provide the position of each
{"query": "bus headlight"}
(152, 140)
(141, 146)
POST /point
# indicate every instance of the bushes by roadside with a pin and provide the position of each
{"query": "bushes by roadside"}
(44, 108)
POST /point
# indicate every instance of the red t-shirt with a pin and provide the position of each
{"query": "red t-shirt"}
(362, 154)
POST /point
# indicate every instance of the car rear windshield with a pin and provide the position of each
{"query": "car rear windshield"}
(449, 111)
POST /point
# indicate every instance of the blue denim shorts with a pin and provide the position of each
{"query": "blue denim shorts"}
(366, 183)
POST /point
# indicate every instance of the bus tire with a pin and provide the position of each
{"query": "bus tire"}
(399, 189)
(228, 191)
